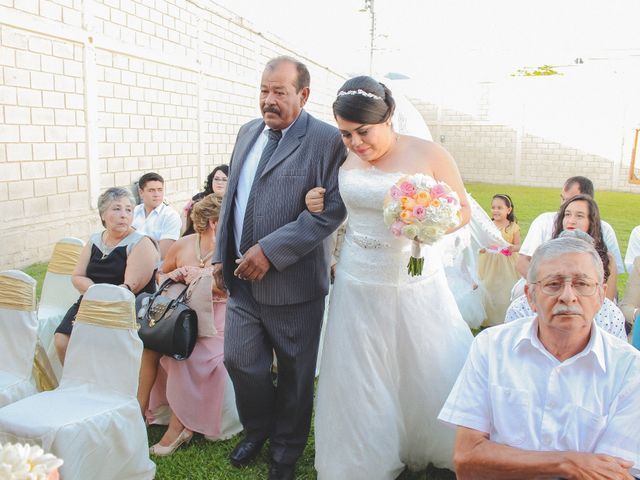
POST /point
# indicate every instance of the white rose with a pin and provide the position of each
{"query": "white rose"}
(430, 233)
(19, 462)
(389, 216)
(410, 231)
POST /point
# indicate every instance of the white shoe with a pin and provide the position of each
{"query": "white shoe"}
(163, 451)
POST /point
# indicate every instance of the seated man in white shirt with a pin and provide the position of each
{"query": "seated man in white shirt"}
(550, 396)
(153, 217)
(541, 229)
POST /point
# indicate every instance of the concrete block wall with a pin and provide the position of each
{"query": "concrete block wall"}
(547, 163)
(93, 93)
(482, 151)
(491, 146)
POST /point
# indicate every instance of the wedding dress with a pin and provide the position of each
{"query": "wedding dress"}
(393, 348)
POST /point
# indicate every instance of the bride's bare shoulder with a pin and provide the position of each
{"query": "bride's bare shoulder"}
(426, 155)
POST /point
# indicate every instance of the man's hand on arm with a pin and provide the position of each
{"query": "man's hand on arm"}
(478, 458)
(253, 265)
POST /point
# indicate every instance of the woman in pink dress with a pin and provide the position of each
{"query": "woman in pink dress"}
(196, 390)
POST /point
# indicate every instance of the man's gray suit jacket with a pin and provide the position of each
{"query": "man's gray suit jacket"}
(292, 238)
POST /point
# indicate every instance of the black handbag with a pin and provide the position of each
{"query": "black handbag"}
(167, 325)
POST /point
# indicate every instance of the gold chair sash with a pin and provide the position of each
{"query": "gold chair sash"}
(64, 258)
(107, 314)
(42, 371)
(17, 294)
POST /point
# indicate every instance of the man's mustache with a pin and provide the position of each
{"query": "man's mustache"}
(271, 109)
(564, 309)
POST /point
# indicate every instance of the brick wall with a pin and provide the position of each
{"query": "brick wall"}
(95, 93)
(539, 131)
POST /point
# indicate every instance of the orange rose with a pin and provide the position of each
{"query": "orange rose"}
(407, 203)
(406, 216)
(423, 198)
(435, 203)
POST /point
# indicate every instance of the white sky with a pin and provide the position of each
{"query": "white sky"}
(449, 38)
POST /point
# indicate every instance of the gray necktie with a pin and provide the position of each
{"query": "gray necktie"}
(246, 240)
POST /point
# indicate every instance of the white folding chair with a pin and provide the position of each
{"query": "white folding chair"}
(58, 294)
(92, 420)
(18, 335)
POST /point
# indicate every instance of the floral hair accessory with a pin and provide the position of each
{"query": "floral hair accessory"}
(359, 92)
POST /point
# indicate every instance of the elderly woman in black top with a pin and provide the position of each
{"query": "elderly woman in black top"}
(118, 255)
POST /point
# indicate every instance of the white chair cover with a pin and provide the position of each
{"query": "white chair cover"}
(92, 420)
(58, 294)
(18, 336)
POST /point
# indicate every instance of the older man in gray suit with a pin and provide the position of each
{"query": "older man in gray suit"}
(272, 257)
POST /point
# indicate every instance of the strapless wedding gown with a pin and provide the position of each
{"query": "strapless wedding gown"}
(393, 348)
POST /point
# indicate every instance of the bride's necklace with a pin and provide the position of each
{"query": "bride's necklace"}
(199, 256)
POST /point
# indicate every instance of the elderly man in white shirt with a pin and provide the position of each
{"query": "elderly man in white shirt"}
(550, 396)
(541, 229)
(153, 217)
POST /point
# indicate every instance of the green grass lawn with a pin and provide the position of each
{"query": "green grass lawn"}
(37, 271)
(204, 460)
(208, 460)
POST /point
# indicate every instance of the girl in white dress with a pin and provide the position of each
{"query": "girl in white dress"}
(394, 343)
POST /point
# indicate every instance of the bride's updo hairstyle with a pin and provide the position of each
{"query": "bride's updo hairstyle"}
(364, 100)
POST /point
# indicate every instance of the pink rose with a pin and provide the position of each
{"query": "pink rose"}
(438, 191)
(419, 212)
(396, 193)
(506, 252)
(408, 189)
(396, 228)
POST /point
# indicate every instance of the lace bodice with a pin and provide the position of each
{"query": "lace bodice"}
(370, 252)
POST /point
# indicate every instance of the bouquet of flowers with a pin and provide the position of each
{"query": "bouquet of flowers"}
(422, 210)
(27, 462)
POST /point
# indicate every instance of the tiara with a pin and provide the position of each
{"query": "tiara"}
(359, 92)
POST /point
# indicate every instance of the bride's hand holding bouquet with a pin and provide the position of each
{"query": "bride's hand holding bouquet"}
(423, 210)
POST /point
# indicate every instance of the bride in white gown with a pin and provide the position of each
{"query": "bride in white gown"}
(394, 343)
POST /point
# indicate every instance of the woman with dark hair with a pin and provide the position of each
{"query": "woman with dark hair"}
(394, 343)
(581, 212)
(497, 266)
(216, 182)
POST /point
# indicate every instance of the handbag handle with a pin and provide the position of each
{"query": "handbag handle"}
(166, 284)
(171, 305)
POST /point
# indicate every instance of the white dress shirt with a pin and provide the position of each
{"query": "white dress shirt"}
(541, 230)
(512, 388)
(609, 318)
(633, 248)
(245, 182)
(162, 223)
